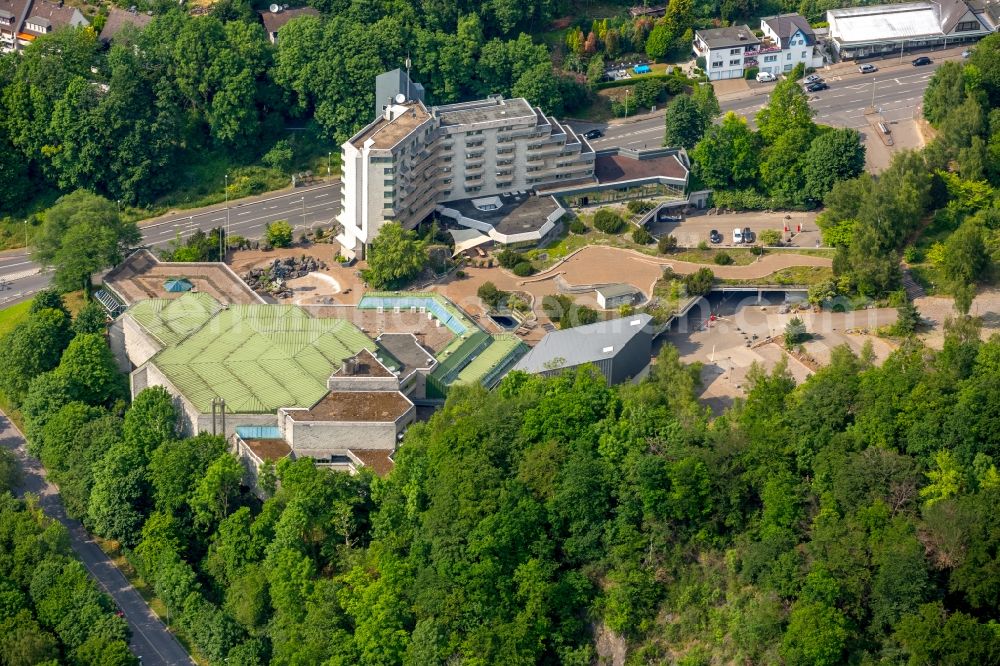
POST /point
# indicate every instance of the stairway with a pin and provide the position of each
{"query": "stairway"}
(912, 287)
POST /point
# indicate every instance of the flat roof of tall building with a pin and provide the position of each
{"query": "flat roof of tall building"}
(363, 364)
(259, 358)
(387, 133)
(484, 110)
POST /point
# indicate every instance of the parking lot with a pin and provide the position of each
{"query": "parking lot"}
(693, 229)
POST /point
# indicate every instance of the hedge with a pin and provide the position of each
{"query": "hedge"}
(620, 83)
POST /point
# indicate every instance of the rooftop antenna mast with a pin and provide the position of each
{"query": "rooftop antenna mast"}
(408, 63)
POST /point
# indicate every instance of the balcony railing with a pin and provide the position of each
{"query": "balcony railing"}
(763, 49)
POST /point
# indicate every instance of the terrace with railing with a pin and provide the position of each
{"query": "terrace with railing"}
(767, 46)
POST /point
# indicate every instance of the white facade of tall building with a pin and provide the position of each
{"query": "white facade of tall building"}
(409, 160)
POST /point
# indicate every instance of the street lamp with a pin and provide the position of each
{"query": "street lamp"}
(626, 103)
(26, 235)
(329, 162)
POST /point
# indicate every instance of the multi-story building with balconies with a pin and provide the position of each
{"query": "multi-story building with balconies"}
(788, 40)
(411, 159)
(728, 52)
(725, 51)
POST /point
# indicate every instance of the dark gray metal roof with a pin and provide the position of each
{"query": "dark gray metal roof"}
(722, 38)
(785, 25)
(583, 344)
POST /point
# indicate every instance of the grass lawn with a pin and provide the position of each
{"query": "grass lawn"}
(569, 242)
(11, 316)
(795, 276)
(741, 257)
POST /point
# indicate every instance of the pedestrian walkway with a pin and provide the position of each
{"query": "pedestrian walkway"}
(151, 641)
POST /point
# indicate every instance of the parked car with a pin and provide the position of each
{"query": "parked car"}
(737, 236)
(766, 77)
(813, 78)
(966, 53)
(593, 134)
(748, 236)
(816, 87)
(714, 236)
(922, 60)
(867, 69)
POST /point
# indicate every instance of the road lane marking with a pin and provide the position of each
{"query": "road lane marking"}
(12, 277)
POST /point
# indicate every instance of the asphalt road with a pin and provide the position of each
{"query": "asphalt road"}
(899, 90)
(150, 639)
(302, 208)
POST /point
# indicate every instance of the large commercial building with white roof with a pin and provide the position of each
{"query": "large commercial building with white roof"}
(859, 32)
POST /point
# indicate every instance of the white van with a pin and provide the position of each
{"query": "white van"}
(737, 236)
(765, 77)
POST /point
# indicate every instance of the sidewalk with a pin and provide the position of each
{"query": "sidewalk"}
(151, 641)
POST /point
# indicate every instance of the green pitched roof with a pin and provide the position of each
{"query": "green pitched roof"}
(504, 350)
(259, 358)
(171, 320)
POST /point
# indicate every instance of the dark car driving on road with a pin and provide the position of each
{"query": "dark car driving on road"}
(593, 134)
(922, 60)
(816, 87)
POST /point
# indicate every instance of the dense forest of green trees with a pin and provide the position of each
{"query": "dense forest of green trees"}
(123, 122)
(789, 161)
(947, 190)
(850, 519)
(119, 122)
(51, 612)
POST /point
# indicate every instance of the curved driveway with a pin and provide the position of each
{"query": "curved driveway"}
(600, 264)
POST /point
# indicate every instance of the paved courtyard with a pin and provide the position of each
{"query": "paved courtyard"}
(594, 265)
(745, 333)
(694, 229)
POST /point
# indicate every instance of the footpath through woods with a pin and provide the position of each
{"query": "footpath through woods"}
(151, 641)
